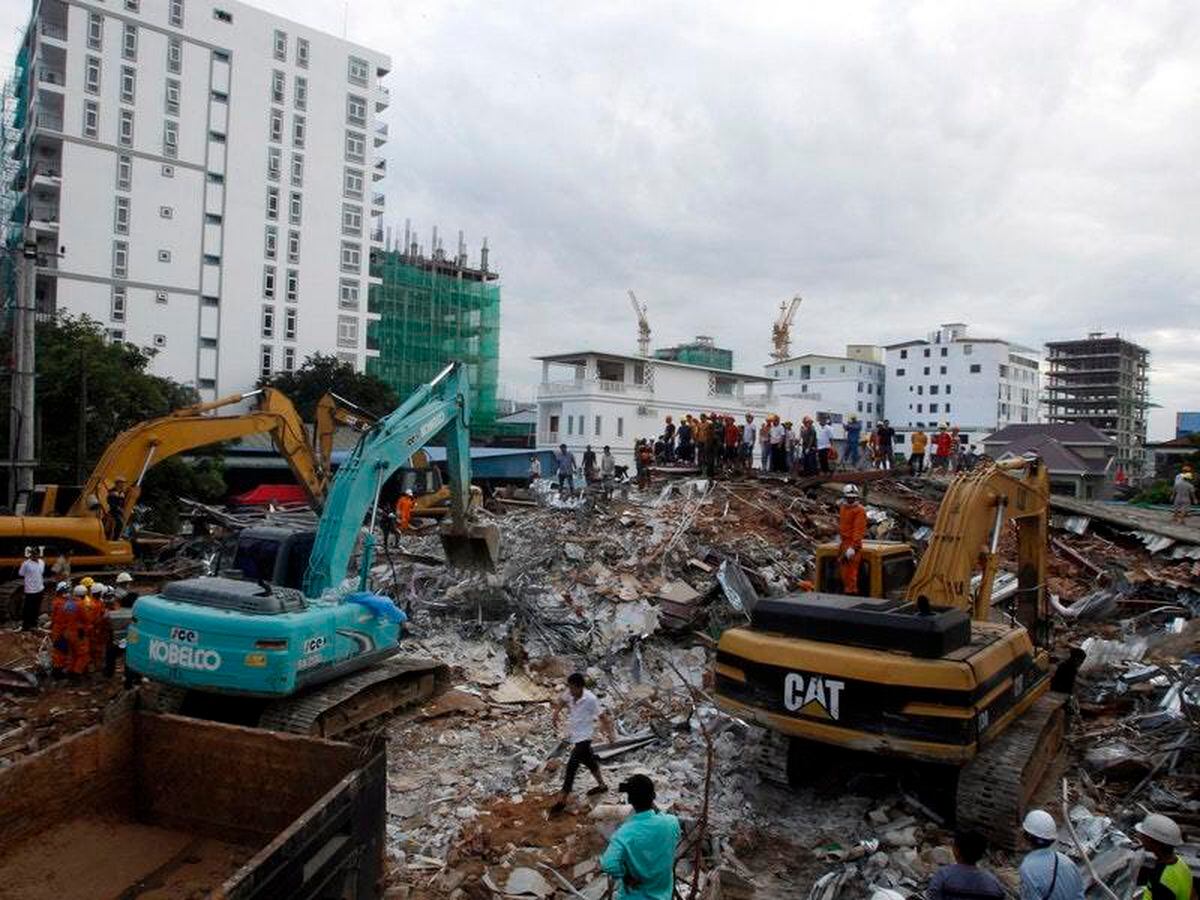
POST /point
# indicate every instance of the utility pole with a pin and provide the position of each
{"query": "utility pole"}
(21, 416)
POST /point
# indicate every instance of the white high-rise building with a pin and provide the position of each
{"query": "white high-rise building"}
(978, 385)
(838, 387)
(206, 171)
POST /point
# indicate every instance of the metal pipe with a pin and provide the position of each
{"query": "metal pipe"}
(146, 464)
(997, 525)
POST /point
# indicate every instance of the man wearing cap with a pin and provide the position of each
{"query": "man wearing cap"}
(641, 854)
(1047, 874)
(583, 711)
(1163, 874)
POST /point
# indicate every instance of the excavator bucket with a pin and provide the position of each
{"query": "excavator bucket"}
(478, 547)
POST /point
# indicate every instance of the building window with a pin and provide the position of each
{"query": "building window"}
(165, 256)
(175, 14)
(265, 360)
(933, 407)
(353, 183)
(121, 217)
(347, 334)
(348, 294)
(117, 306)
(903, 355)
(268, 321)
(170, 138)
(570, 424)
(172, 105)
(295, 208)
(920, 389)
(356, 146)
(275, 131)
(302, 53)
(947, 409)
(289, 359)
(293, 285)
(280, 45)
(277, 79)
(125, 129)
(273, 203)
(860, 406)
(945, 351)
(271, 242)
(359, 71)
(926, 370)
(128, 83)
(91, 74)
(297, 169)
(300, 93)
(941, 370)
(933, 389)
(871, 388)
(274, 162)
(174, 56)
(620, 427)
(91, 119)
(124, 173)
(356, 110)
(269, 282)
(129, 40)
(294, 247)
(215, 178)
(926, 352)
(216, 137)
(133, 5)
(975, 369)
(351, 257)
(120, 259)
(968, 349)
(298, 131)
(351, 219)
(95, 31)
(899, 373)
(289, 325)
(596, 429)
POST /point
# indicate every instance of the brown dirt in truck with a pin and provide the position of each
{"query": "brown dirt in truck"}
(93, 858)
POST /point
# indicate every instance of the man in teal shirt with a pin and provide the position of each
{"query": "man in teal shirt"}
(641, 855)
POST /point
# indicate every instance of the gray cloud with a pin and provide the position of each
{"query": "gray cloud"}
(1029, 168)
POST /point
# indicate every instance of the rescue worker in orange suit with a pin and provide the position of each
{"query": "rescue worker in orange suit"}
(404, 510)
(852, 528)
(101, 636)
(61, 622)
(78, 632)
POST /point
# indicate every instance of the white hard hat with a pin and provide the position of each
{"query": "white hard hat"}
(1040, 824)
(80, 591)
(1160, 828)
(408, 493)
(124, 578)
(99, 589)
(850, 490)
(62, 586)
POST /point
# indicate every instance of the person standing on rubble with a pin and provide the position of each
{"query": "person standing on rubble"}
(608, 471)
(887, 441)
(808, 446)
(583, 714)
(564, 463)
(749, 436)
(778, 439)
(32, 572)
(535, 469)
(1047, 874)
(716, 443)
(668, 437)
(701, 436)
(685, 450)
(1163, 875)
(589, 464)
(824, 443)
(764, 445)
(640, 857)
(853, 429)
(916, 459)
(60, 623)
(852, 528)
(963, 879)
(1183, 495)
(942, 445)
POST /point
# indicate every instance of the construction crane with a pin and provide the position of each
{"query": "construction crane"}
(781, 331)
(643, 325)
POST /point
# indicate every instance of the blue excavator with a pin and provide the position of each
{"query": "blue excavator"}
(289, 639)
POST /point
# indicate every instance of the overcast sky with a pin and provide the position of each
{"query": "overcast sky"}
(1032, 169)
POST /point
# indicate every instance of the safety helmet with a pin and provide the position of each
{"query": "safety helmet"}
(98, 589)
(80, 591)
(850, 490)
(408, 493)
(1040, 824)
(1161, 829)
(87, 581)
(124, 578)
(62, 587)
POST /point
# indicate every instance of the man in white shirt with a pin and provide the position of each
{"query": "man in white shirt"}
(824, 443)
(583, 712)
(749, 437)
(32, 571)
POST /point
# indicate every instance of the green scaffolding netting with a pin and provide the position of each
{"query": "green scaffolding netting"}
(431, 313)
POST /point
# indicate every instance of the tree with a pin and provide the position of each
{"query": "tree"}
(322, 373)
(88, 391)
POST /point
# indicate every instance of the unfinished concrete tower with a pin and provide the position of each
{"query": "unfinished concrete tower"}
(1102, 380)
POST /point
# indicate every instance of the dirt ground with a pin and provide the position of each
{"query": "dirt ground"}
(93, 858)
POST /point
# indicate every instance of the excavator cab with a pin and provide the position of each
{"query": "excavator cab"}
(885, 569)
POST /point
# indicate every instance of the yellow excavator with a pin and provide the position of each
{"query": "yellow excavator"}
(93, 525)
(916, 668)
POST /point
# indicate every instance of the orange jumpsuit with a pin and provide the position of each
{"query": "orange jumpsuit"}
(852, 527)
(90, 610)
(404, 509)
(62, 628)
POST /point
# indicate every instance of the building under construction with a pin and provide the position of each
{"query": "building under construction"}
(700, 352)
(1102, 380)
(434, 308)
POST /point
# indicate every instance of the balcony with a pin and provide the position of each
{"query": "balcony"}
(52, 31)
(379, 170)
(383, 98)
(47, 121)
(54, 78)
(377, 200)
(599, 386)
(381, 133)
(43, 217)
(377, 236)
(47, 177)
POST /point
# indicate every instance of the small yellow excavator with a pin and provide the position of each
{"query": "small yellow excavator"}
(90, 526)
(916, 668)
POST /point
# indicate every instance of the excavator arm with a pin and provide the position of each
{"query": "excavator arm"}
(436, 408)
(333, 411)
(966, 536)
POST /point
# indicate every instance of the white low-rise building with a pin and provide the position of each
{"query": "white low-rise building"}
(598, 398)
(834, 386)
(978, 385)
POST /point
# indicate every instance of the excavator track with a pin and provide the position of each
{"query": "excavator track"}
(996, 786)
(331, 709)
